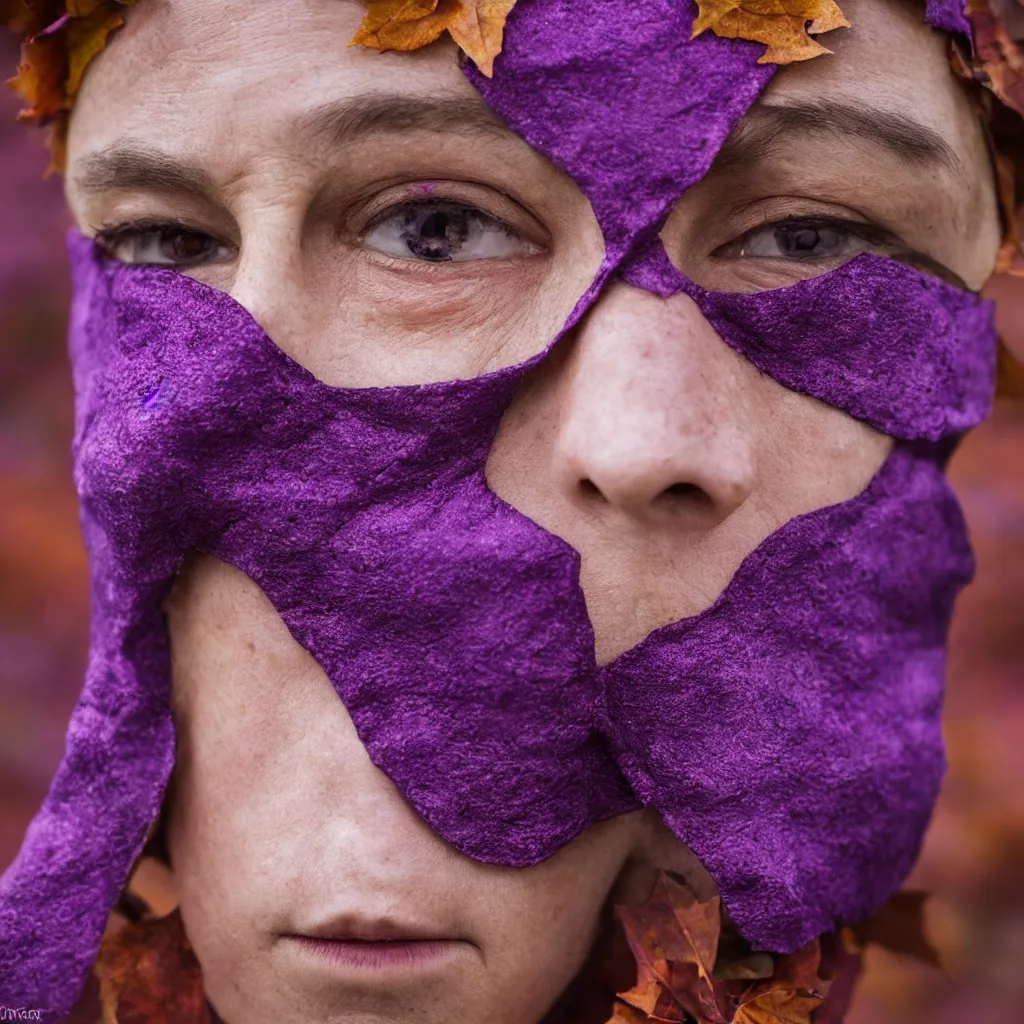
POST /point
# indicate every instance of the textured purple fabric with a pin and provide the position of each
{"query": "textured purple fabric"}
(802, 757)
(789, 735)
(948, 15)
(620, 97)
(947, 388)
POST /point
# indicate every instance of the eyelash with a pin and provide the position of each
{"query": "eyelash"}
(108, 237)
(870, 233)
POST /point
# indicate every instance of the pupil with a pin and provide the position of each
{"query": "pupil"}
(799, 241)
(433, 233)
(436, 225)
(187, 246)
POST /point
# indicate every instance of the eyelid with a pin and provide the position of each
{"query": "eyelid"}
(870, 233)
(109, 234)
(110, 230)
(496, 205)
(866, 229)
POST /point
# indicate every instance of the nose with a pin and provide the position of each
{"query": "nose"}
(268, 275)
(656, 421)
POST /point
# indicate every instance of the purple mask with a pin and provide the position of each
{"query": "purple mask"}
(789, 734)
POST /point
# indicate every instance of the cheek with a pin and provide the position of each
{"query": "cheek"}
(813, 454)
(539, 924)
(402, 322)
(271, 781)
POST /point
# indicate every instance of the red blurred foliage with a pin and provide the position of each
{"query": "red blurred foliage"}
(974, 855)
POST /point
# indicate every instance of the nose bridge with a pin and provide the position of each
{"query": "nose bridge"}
(270, 253)
(654, 421)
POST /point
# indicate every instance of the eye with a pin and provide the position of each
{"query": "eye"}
(808, 239)
(437, 231)
(161, 245)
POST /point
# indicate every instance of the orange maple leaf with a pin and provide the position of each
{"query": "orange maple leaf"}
(148, 974)
(784, 26)
(477, 26)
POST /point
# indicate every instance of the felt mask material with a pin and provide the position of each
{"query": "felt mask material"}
(789, 734)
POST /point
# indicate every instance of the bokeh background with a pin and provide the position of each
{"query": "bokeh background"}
(974, 856)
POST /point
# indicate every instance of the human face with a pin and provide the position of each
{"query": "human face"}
(657, 452)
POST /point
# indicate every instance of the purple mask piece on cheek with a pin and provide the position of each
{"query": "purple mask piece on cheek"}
(790, 734)
(865, 308)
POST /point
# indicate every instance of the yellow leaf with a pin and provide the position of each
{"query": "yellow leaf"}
(82, 8)
(404, 24)
(710, 12)
(86, 39)
(478, 29)
(829, 20)
(778, 1006)
(782, 25)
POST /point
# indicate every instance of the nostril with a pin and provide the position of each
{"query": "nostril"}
(590, 490)
(691, 492)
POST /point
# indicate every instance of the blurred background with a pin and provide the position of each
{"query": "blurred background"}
(974, 856)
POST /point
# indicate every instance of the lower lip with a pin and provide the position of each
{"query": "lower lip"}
(381, 956)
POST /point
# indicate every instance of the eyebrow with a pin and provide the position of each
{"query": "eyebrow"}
(768, 125)
(139, 168)
(346, 121)
(133, 167)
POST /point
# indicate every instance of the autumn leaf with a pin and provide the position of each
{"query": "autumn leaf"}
(778, 1006)
(784, 26)
(477, 26)
(625, 1014)
(40, 78)
(83, 8)
(61, 41)
(404, 24)
(148, 974)
(674, 938)
(478, 30)
(692, 965)
(87, 37)
(790, 996)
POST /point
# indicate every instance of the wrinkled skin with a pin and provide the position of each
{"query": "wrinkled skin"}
(654, 449)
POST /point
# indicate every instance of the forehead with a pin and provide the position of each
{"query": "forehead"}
(202, 70)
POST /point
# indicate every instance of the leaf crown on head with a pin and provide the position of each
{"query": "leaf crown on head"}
(60, 38)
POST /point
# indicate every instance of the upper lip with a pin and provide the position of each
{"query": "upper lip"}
(355, 928)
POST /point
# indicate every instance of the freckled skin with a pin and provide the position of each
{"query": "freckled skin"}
(655, 450)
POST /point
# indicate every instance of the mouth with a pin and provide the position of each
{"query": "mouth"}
(377, 945)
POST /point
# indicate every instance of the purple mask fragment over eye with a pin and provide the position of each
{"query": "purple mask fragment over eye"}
(789, 734)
